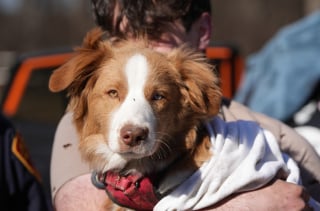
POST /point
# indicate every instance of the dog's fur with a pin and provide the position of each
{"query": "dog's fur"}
(137, 110)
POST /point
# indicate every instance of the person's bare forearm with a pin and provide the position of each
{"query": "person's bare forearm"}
(79, 194)
(278, 195)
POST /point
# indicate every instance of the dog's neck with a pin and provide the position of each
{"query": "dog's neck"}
(170, 171)
(187, 163)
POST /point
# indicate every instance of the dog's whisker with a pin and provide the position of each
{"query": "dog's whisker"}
(163, 151)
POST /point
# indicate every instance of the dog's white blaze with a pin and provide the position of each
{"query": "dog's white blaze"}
(135, 109)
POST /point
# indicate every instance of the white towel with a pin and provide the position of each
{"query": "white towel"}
(245, 157)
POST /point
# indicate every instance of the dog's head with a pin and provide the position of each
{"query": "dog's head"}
(131, 103)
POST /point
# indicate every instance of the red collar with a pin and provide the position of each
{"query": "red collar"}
(132, 191)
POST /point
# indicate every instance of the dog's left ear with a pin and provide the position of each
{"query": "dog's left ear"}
(78, 67)
(200, 84)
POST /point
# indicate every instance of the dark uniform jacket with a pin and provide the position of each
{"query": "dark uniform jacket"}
(20, 187)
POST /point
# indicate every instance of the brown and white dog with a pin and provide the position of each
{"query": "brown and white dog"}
(140, 111)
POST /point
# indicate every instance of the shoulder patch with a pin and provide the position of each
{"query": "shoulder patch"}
(19, 149)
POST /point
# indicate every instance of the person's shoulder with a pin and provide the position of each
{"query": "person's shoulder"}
(232, 111)
(240, 111)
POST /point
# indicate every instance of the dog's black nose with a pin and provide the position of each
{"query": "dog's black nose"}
(133, 135)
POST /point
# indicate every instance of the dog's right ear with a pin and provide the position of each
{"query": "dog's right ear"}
(200, 86)
(90, 53)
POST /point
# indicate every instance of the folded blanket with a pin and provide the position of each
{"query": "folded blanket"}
(245, 157)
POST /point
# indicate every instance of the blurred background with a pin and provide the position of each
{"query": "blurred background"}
(41, 24)
(33, 26)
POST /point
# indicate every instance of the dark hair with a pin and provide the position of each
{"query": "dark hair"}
(146, 16)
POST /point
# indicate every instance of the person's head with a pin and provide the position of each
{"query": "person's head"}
(167, 23)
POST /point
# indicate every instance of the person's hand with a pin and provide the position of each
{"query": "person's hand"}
(278, 195)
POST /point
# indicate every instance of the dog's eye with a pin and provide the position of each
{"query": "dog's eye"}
(157, 96)
(113, 93)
